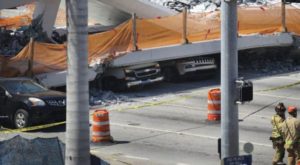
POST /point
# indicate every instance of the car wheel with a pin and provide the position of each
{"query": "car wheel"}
(113, 84)
(108, 83)
(170, 74)
(121, 86)
(21, 119)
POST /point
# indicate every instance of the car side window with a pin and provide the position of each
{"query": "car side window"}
(2, 91)
(22, 86)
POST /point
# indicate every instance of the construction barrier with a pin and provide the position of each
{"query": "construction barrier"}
(100, 127)
(15, 22)
(214, 105)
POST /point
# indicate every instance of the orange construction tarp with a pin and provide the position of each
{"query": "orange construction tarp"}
(153, 33)
(15, 22)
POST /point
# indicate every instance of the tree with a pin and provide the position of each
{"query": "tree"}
(77, 135)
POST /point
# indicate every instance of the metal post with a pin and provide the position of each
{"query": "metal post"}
(229, 73)
(134, 34)
(184, 26)
(77, 123)
(283, 22)
(30, 60)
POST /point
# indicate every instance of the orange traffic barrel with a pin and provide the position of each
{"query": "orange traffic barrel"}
(100, 127)
(214, 105)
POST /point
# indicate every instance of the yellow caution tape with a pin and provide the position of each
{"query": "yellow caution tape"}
(33, 128)
(280, 87)
(135, 107)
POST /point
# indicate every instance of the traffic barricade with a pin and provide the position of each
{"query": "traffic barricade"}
(100, 126)
(214, 105)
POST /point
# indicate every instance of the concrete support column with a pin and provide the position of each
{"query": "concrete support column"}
(48, 9)
(229, 75)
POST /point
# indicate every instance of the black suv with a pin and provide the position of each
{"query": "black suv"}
(23, 102)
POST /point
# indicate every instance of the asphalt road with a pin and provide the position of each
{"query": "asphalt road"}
(167, 123)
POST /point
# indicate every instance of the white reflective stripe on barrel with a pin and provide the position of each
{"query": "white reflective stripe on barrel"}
(101, 133)
(213, 101)
(101, 123)
(214, 112)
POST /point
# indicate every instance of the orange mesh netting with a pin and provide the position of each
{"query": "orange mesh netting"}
(154, 33)
(15, 22)
(53, 57)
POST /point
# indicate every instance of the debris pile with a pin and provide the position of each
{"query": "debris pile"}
(106, 98)
(12, 42)
(193, 5)
(271, 61)
(206, 5)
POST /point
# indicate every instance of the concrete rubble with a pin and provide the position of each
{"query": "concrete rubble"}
(269, 61)
(206, 5)
(12, 42)
(105, 98)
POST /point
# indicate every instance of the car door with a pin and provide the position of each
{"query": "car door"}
(2, 97)
(2, 101)
(6, 104)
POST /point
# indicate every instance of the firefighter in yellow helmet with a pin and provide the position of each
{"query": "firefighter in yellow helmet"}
(291, 133)
(277, 136)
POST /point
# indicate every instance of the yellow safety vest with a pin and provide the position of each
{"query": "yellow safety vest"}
(276, 123)
(291, 131)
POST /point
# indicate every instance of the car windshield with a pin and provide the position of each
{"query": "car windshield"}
(22, 86)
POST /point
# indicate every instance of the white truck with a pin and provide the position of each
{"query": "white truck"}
(174, 70)
(121, 78)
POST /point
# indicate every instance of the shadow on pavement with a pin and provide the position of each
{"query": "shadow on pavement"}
(59, 128)
(97, 161)
(109, 143)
